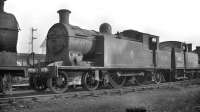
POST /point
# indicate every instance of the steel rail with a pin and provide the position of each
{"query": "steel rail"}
(101, 92)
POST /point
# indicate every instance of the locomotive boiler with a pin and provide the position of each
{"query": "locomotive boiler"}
(68, 43)
(94, 59)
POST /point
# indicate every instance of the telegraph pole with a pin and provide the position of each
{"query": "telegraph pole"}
(32, 39)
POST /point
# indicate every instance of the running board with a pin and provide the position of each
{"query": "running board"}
(130, 74)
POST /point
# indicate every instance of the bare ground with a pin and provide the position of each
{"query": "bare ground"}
(180, 99)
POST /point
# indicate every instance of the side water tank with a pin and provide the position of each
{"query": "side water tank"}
(8, 30)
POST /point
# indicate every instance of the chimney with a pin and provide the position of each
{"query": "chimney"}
(105, 28)
(2, 5)
(64, 16)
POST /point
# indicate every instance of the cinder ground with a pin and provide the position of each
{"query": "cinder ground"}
(181, 99)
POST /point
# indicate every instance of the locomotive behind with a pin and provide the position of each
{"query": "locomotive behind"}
(8, 37)
(92, 59)
(8, 48)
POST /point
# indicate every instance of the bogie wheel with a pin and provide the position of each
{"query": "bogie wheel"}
(59, 83)
(37, 83)
(116, 81)
(89, 81)
(158, 77)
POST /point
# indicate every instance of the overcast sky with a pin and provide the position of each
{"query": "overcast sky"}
(170, 19)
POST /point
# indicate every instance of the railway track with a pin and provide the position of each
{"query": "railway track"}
(11, 99)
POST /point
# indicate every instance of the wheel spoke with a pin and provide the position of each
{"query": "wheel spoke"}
(59, 84)
(89, 82)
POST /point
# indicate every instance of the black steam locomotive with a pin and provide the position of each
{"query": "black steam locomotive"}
(92, 59)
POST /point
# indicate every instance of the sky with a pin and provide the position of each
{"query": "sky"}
(169, 19)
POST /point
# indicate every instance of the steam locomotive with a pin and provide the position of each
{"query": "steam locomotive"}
(92, 59)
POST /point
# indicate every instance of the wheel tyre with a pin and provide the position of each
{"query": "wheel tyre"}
(85, 80)
(51, 84)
